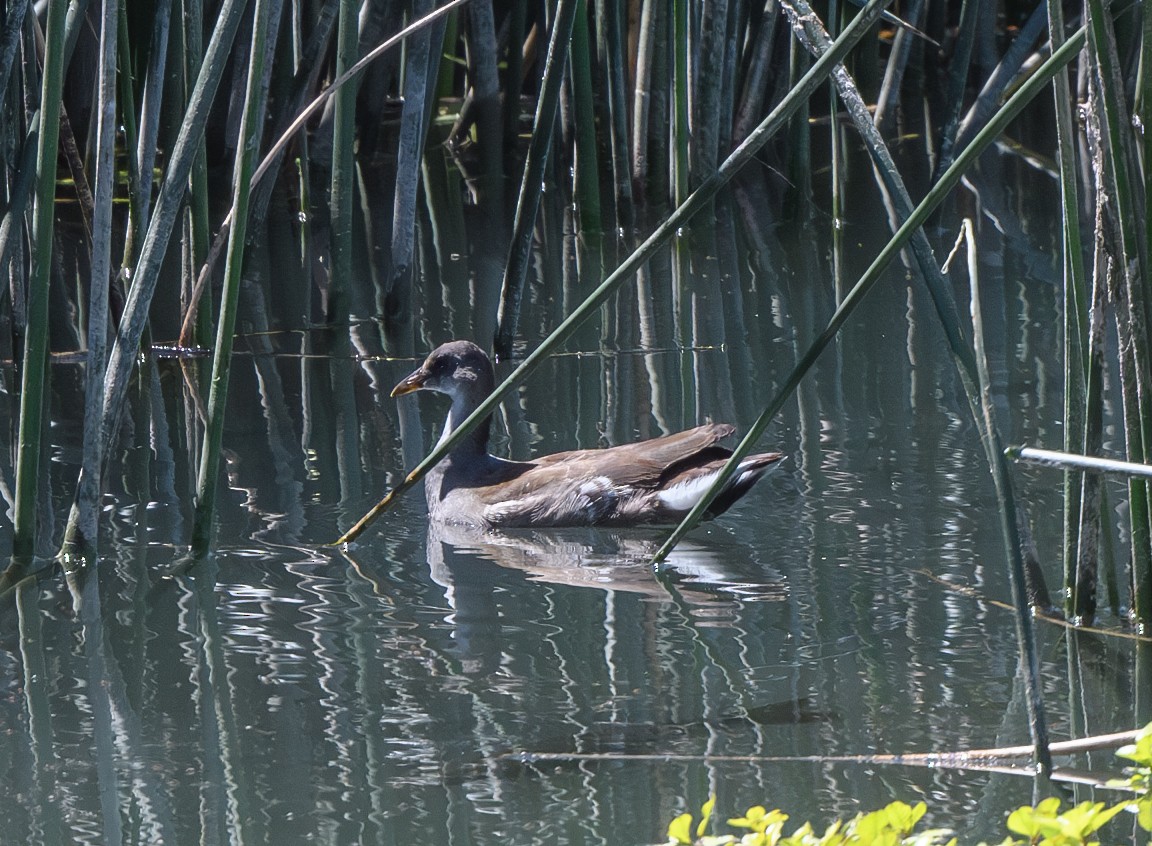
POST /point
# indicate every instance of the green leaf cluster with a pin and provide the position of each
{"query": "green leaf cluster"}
(1045, 824)
(890, 826)
(1140, 776)
(894, 825)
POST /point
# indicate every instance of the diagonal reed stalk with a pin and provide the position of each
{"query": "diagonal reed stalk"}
(664, 233)
(948, 180)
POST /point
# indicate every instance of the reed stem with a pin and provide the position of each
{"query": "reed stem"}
(255, 96)
(681, 130)
(35, 368)
(343, 167)
(81, 537)
(1029, 661)
(532, 183)
(586, 168)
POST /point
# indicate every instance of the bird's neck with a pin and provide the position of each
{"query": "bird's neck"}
(476, 443)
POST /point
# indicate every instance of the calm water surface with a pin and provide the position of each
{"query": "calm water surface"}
(288, 692)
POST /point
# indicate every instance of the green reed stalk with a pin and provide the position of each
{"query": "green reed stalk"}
(160, 228)
(642, 96)
(197, 319)
(343, 166)
(23, 171)
(708, 79)
(11, 227)
(751, 102)
(655, 189)
(420, 67)
(532, 183)
(610, 51)
(935, 196)
(34, 373)
(302, 172)
(1080, 572)
(1136, 384)
(998, 82)
(255, 97)
(1144, 96)
(1142, 578)
(486, 102)
(10, 38)
(680, 121)
(587, 168)
(513, 74)
(127, 105)
(198, 191)
(798, 167)
(1025, 634)
(1076, 371)
(890, 89)
(957, 77)
(81, 537)
(835, 134)
(151, 103)
(776, 119)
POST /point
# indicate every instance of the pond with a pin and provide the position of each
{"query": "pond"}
(396, 691)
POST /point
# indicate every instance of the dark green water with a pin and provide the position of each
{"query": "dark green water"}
(291, 693)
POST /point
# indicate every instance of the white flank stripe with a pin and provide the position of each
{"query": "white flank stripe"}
(683, 496)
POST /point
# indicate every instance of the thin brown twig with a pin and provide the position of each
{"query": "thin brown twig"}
(985, 760)
(972, 593)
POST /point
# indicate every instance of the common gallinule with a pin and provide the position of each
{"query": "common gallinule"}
(653, 481)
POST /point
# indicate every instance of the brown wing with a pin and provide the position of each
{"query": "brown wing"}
(585, 487)
(645, 463)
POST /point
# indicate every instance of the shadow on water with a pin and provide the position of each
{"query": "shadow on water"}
(282, 691)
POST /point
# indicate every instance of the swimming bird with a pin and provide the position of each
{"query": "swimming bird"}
(648, 482)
